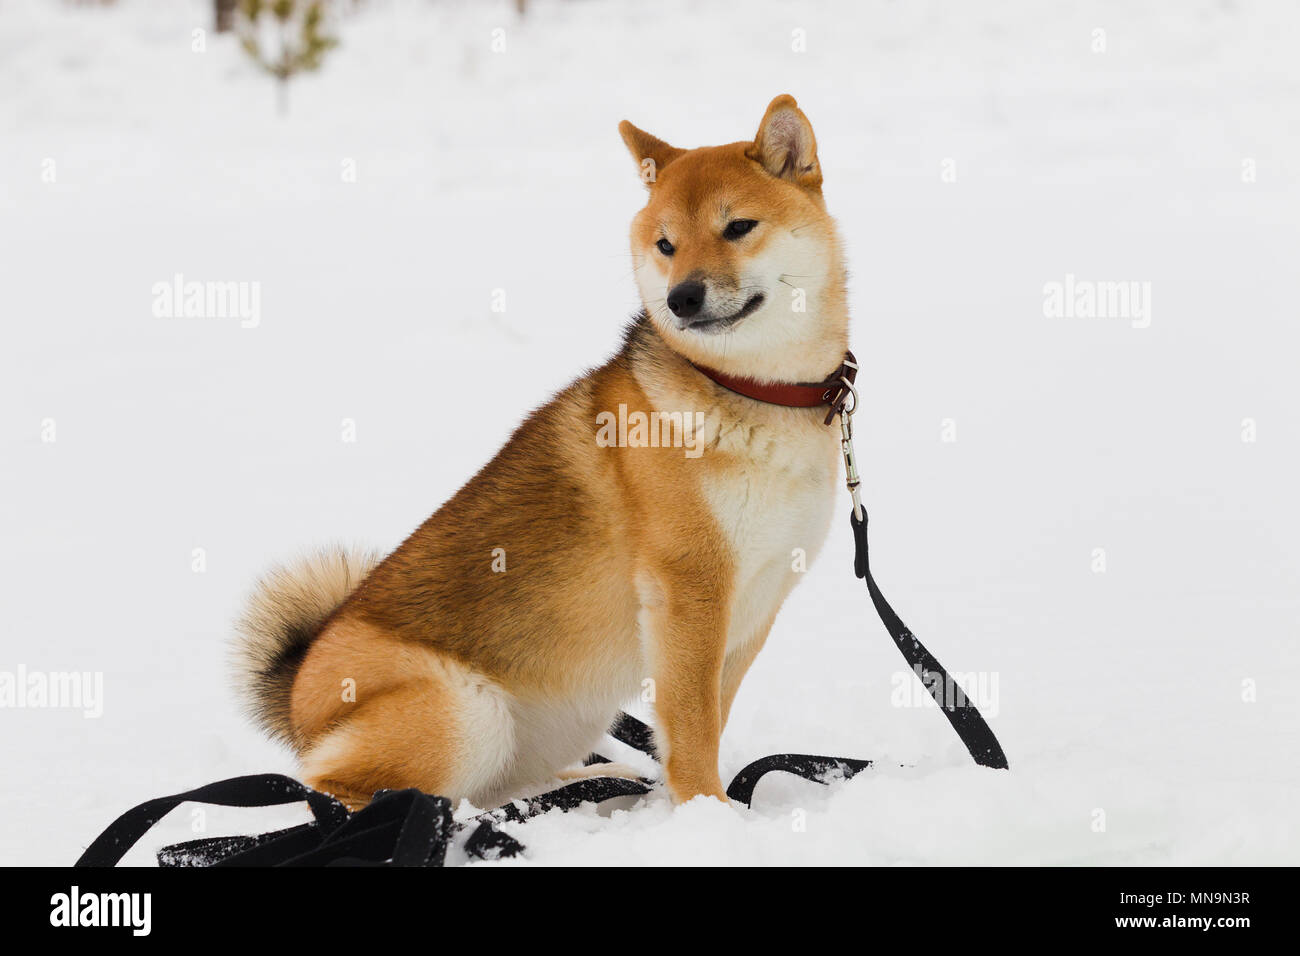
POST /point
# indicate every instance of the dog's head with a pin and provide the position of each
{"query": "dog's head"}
(736, 258)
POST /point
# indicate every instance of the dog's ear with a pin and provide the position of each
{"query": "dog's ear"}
(651, 153)
(785, 145)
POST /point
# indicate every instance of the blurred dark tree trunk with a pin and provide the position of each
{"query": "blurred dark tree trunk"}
(226, 15)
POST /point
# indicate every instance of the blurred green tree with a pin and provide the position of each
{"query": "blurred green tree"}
(284, 38)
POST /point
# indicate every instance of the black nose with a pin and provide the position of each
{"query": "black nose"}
(686, 299)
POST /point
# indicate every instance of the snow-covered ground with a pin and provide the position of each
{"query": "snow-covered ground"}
(1150, 710)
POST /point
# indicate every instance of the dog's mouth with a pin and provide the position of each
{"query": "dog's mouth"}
(711, 323)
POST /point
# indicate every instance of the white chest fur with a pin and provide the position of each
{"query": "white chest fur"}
(774, 502)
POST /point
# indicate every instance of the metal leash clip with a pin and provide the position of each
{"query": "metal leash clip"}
(851, 477)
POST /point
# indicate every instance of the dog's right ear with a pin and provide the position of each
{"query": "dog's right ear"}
(651, 153)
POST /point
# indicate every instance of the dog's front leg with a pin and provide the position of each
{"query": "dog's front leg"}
(688, 636)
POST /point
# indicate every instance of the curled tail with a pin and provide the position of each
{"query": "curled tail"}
(285, 612)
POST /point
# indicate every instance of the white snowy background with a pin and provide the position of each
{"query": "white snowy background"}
(1123, 695)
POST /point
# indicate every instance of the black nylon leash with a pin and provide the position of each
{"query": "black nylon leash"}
(964, 717)
(257, 790)
(397, 828)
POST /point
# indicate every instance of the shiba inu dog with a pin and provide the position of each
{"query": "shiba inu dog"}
(491, 650)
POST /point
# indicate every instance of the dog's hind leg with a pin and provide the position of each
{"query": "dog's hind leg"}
(431, 724)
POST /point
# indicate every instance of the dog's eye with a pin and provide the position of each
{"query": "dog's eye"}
(738, 227)
(665, 247)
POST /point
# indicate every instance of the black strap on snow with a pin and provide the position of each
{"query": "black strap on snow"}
(258, 790)
(571, 796)
(637, 735)
(809, 766)
(961, 713)
(397, 828)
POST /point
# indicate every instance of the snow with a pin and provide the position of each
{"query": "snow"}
(1160, 695)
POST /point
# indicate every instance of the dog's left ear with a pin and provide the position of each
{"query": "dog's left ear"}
(785, 145)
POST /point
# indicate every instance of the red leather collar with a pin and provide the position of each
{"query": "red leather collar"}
(831, 392)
